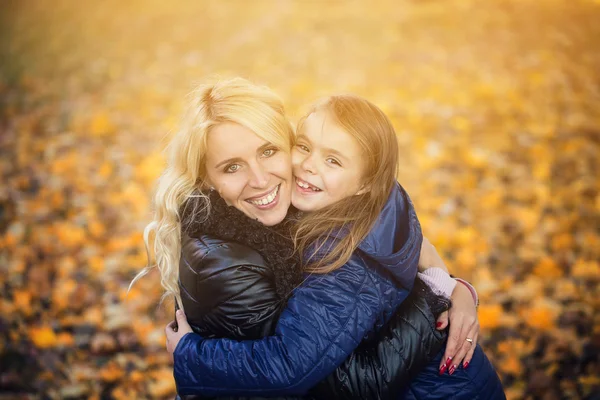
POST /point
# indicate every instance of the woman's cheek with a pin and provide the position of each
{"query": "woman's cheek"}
(231, 187)
(282, 162)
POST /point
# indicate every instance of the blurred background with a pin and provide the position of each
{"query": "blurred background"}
(497, 110)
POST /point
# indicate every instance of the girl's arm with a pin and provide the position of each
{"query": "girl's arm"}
(382, 369)
(323, 323)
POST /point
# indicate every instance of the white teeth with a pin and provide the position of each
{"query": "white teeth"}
(305, 185)
(266, 200)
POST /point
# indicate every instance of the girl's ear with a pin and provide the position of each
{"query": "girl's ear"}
(363, 190)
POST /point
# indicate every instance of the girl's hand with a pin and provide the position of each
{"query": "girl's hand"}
(464, 329)
(176, 330)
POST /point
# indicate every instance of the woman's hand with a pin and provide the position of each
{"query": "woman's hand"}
(174, 335)
(464, 329)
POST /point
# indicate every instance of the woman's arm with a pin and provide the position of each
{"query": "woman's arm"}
(430, 258)
(323, 323)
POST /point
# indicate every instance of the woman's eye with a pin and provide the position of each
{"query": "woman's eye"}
(269, 152)
(232, 168)
(303, 148)
(333, 161)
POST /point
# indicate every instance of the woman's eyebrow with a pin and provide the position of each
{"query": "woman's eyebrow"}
(264, 147)
(228, 161)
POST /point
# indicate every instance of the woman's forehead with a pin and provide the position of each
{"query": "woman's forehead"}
(228, 140)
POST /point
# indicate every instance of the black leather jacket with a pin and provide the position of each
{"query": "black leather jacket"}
(227, 290)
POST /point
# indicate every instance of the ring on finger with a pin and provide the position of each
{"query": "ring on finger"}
(469, 340)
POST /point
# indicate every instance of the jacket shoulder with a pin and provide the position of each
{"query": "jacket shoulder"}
(205, 255)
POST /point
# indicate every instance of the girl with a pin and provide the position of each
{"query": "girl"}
(364, 237)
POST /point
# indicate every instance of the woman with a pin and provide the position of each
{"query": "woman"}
(264, 174)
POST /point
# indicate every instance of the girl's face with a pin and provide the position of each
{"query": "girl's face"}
(327, 162)
(249, 173)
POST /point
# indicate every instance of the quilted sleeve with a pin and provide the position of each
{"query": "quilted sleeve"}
(382, 368)
(325, 320)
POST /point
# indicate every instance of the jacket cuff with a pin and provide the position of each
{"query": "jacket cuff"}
(471, 289)
(439, 281)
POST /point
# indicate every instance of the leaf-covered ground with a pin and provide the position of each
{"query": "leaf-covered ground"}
(497, 110)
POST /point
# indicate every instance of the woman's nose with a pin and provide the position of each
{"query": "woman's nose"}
(259, 177)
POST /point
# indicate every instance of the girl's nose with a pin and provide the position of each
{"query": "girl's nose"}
(308, 165)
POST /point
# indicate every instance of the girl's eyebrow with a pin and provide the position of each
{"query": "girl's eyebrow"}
(325, 150)
(335, 152)
(303, 137)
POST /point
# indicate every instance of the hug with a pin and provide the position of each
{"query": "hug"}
(299, 261)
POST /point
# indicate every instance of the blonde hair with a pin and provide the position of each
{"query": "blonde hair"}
(351, 219)
(235, 100)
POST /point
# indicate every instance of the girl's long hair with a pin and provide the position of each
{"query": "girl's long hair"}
(236, 100)
(350, 219)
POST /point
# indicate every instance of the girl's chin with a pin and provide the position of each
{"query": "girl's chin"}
(303, 205)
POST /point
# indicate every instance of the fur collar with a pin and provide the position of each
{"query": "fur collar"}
(228, 223)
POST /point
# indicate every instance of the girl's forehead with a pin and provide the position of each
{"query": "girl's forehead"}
(321, 126)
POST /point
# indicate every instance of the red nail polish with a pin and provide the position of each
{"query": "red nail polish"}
(452, 369)
(443, 369)
(438, 324)
(466, 364)
(449, 360)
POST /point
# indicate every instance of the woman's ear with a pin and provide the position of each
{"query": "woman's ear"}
(207, 186)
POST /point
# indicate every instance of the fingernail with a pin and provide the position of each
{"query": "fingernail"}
(465, 364)
(443, 369)
(438, 324)
(449, 360)
(452, 369)
(179, 312)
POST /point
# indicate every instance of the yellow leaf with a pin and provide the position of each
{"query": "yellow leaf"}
(100, 125)
(586, 270)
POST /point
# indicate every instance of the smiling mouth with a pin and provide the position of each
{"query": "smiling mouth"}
(267, 199)
(306, 186)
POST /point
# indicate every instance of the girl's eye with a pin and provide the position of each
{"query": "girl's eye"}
(303, 148)
(333, 161)
(269, 152)
(232, 168)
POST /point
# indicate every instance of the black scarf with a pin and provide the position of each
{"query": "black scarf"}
(273, 243)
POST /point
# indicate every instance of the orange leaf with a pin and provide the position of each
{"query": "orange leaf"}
(490, 316)
(548, 269)
(43, 337)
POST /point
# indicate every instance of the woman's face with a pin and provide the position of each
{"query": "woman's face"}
(249, 173)
(328, 164)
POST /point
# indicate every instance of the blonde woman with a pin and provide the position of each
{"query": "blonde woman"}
(229, 183)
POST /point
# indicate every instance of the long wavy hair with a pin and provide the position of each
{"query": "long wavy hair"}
(350, 219)
(235, 100)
